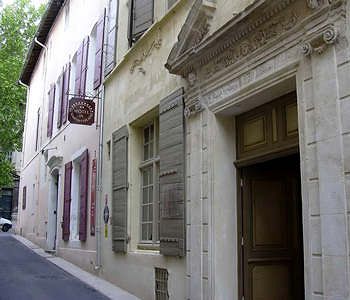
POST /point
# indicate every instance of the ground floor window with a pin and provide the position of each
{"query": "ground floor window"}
(149, 168)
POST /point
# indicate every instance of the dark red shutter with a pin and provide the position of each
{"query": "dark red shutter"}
(24, 198)
(83, 185)
(66, 78)
(51, 110)
(100, 28)
(78, 64)
(84, 66)
(67, 201)
(60, 100)
(111, 38)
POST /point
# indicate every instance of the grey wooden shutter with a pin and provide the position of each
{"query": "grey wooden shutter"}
(172, 174)
(111, 35)
(120, 189)
(141, 17)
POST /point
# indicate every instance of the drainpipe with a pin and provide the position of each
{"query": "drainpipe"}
(42, 113)
(99, 197)
(40, 44)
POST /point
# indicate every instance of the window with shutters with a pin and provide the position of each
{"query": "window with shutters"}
(141, 18)
(24, 198)
(78, 217)
(111, 36)
(149, 168)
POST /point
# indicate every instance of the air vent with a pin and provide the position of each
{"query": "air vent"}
(161, 286)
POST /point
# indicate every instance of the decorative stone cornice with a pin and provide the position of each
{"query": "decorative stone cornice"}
(319, 42)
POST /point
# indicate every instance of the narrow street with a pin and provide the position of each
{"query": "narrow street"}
(26, 275)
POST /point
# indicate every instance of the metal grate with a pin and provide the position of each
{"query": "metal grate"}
(161, 287)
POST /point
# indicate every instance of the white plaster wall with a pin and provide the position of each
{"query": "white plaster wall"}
(64, 39)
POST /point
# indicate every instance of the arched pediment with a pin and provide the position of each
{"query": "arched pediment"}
(54, 162)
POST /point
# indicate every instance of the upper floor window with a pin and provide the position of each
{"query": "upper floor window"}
(141, 18)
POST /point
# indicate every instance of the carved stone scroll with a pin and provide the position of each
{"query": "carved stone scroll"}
(320, 42)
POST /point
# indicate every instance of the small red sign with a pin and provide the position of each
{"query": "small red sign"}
(81, 111)
(93, 198)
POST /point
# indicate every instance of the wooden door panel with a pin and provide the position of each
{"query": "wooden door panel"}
(270, 282)
(269, 214)
(271, 227)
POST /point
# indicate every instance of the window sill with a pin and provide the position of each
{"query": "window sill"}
(148, 247)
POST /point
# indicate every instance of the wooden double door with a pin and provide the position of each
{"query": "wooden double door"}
(271, 228)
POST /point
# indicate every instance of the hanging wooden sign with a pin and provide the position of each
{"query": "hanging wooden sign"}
(93, 197)
(81, 111)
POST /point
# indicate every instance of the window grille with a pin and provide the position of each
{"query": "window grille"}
(161, 284)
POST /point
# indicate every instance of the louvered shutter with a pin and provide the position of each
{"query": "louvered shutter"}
(78, 65)
(51, 110)
(84, 66)
(171, 3)
(100, 27)
(66, 78)
(24, 198)
(142, 17)
(67, 201)
(60, 100)
(111, 35)
(83, 187)
(172, 175)
(120, 189)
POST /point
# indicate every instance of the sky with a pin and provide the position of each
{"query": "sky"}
(35, 2)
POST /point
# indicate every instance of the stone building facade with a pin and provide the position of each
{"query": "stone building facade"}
(221, 148)
(268, 50)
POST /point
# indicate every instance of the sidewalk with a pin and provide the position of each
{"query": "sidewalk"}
(104, 287)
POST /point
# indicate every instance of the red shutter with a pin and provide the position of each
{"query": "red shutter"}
(100, 28)
(24, 198)
(111, 36)
(51, 110)
(83, 185)
(84, 66)
(66, 78)
(67, 201)
(81, 68)
(79, 61)
(60, 100)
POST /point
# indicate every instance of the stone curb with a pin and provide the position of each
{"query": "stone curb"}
(104, 287)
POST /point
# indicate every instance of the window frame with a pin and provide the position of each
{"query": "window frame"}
(150, 162)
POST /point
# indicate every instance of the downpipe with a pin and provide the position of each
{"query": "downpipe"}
(99, 197)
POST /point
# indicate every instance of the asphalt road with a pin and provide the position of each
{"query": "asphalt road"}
(24, 275)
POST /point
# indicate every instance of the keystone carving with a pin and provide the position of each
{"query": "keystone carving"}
(320, 42)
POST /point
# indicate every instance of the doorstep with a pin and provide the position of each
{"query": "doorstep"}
(104, 287)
